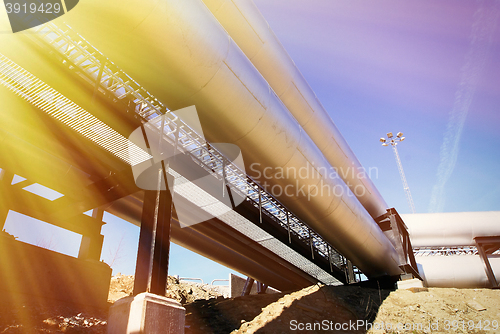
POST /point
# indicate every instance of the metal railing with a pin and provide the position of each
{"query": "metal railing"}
(191, 279)
(219, 280)
(447, 251)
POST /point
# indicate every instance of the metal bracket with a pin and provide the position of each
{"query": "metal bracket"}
(485, 246)
(392, 221)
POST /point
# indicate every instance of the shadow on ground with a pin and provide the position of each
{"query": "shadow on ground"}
(315, 309)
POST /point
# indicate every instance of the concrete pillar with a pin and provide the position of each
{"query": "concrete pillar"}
(146, 313)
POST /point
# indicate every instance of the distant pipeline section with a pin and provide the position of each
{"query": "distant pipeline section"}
(454, 230)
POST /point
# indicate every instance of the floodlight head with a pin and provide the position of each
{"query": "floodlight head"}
(389, 135)
(382, 140)
(399, 135)
(402, 138)
(385, 144)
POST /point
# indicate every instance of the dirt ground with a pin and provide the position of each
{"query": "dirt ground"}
(440, 311)
(284, 312)
(351, 310)
(315, 309)
(184, 292)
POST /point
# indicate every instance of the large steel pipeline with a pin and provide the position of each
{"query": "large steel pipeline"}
(180, 52)
(250, 30)
(456, 271)
(451, 229)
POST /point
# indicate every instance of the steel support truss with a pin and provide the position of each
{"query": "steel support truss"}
(487, 246)
(391, 221)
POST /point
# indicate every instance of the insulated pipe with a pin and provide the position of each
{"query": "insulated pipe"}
(180, 53)
(451, 229)
(237, 256)
(276, 276)
(456, 271)
(251, 32)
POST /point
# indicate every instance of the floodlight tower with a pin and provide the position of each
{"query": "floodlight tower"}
(394, 142)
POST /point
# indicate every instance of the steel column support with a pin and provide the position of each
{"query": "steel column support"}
(248, 287)
(5, 184)
(146, 242)
(91, 245)
(154, 243)
(162, 244)
(261, 288)
(351, 277)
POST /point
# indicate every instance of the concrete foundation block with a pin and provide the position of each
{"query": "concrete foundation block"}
(146, 313)
(410, 283)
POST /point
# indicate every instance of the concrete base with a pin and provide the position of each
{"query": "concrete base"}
(146, 313)
(410, 283)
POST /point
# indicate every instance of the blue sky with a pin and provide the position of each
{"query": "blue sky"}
(427, 68)
(430, 69)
